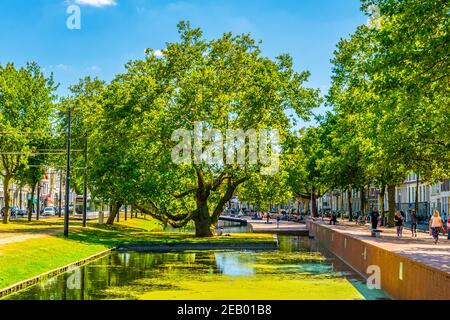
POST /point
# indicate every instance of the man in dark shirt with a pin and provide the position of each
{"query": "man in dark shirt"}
(374, 218)
(414, 220)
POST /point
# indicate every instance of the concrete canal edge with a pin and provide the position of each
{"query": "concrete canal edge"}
(158, 247)
(284, 232)
(401, 277)
(50, 274)
(155, 247)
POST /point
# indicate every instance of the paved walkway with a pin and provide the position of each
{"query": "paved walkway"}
(261, 226)
(421, 249)
(14, 237)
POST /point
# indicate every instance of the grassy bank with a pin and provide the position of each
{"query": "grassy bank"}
(29, 249)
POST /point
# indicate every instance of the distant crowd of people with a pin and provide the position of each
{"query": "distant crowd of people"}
(436, 224)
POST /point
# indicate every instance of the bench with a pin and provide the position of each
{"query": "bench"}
(376, 233)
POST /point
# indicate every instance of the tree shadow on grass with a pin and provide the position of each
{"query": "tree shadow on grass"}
(113, 236)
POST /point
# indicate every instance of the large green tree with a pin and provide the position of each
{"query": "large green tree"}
(26, 111)
(219, 84)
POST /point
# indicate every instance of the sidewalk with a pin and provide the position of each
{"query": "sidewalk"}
(15, 237)
(421, 249)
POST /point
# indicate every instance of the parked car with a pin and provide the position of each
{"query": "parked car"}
(49, 211)
(22, 212)
(12, 210)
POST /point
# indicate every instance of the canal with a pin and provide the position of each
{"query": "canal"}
(299, 269)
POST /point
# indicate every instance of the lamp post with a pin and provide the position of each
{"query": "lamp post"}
(85, 180)
(60, 193)
(38, 204)
(66, 209)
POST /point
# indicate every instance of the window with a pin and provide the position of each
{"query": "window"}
(446, 185)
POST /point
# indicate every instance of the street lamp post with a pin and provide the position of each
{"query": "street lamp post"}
(60, 193)
(85, 180)
(66, 209)
(38, 210)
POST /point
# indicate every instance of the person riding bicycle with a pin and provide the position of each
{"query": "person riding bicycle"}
(361, 219)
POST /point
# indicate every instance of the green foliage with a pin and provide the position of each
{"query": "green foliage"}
(390, 98)
(223, 84)
(26, 114)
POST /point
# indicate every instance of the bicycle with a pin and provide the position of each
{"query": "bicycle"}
(361, 221)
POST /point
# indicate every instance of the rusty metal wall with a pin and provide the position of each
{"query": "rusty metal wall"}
(401, 278)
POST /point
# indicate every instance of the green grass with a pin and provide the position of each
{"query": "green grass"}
(24, 259)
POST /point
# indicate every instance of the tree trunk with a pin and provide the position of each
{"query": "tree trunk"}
(362, 200)
(391, 204)
(381, 206)
(6, 181)
(416, 205)
(38, 212)
(203, 221)
(349, 203)
(313, 203)
(113, 213)
(31, 204)
(331, 200)
(367, 208)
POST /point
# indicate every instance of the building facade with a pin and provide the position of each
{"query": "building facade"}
(435, 196)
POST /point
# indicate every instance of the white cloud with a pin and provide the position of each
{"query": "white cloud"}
(159, 53)
(60, 67)
(93, 69)
(96, 3)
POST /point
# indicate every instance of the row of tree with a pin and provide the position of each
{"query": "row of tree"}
(223, 84)
(390, 100)
(390, 96)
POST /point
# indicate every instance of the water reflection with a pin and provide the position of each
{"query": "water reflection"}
(235, 264)
(222, 227)
(300, 269)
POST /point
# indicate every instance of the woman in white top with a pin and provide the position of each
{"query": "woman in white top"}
(435, 226)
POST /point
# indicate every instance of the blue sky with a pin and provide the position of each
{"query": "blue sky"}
(115, 31)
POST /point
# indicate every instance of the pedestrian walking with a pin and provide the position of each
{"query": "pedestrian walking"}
(278, 221)
(374, 218)
(333, 219)
(398, 219)
(435, 226)
(448, 228)
(414, 220)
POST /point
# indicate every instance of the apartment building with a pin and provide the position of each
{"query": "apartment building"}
(49, 191)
